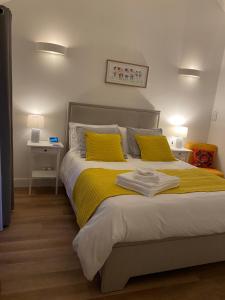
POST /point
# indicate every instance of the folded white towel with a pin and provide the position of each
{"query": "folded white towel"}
(128, 181)
(163, 180)
(146, 175)
(145, 172)
(153, 178)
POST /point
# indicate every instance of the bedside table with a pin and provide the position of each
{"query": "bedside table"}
(182, 153)
(44, 148)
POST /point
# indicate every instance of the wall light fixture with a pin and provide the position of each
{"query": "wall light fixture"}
(51, 48)
(189, 72)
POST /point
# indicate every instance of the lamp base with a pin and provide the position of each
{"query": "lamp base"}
(179, 142)
(35, 135)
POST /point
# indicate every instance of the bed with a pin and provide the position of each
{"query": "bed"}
(175, 231)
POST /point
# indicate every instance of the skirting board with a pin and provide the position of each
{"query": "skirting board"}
(24, 182)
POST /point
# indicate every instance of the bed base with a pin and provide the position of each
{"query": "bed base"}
(141, 258)
(134, 259)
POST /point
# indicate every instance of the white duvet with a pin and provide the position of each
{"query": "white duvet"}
(139, 218)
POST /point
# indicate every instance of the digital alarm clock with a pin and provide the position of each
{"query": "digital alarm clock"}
(53, 139)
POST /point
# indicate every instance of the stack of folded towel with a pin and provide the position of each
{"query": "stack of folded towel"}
(147, 181)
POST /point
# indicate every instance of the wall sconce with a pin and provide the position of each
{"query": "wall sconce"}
(51, 48)
(189, 72)
(177, 120)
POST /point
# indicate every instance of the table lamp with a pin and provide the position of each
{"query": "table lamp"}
(180, 132)
(35, 122)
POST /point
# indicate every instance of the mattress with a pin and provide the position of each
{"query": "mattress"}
(138, 218)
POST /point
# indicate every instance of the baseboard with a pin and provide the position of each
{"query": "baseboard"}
(24, 182)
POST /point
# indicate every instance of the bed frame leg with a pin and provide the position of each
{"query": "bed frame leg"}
(112, 283)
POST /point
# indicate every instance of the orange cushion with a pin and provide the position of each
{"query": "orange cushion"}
(215, 172)
(209, 147)
(202, 158)
(192, 145)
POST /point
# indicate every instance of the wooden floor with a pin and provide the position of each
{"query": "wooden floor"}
(37, 261)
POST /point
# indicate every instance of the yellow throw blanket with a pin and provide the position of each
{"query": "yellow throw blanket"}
(195, 180)
(96, 185)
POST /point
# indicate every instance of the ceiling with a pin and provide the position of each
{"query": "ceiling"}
(4, 1)
(222, 4)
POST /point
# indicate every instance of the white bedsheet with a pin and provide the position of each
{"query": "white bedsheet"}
(138, 218)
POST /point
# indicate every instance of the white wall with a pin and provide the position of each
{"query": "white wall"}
(217, 129)
(164, 34)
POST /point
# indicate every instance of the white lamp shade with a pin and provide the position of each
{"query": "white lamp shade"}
(180, 131)
(35, 121)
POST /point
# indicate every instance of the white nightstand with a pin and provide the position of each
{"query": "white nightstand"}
(44, 148)
(181, 154)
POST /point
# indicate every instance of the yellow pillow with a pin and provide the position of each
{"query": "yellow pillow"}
(104, 147)
(154, 148)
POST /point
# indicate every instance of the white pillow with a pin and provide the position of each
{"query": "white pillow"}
(123, 131)
(73, 143)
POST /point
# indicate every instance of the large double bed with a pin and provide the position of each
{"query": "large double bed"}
(132, 235)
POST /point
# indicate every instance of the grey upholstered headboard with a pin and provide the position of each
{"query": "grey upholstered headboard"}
(99, 114)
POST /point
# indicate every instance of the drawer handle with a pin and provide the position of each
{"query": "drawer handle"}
(45, 150)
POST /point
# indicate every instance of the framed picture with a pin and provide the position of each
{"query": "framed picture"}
(119, 72)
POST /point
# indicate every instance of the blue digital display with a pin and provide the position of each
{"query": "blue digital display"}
(53, 139)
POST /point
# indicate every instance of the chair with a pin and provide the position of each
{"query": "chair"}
(203, 156)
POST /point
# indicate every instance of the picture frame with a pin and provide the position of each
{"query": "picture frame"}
(124, 73)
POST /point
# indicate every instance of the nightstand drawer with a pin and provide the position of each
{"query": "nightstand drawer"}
(44, 150)
(181, 154)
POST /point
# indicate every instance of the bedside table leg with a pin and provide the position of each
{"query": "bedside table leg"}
(30, 171)
(30, 185)
(56, 186)
(187, 157)
(57, 173)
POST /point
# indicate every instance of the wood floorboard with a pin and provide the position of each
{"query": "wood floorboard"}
(31, 244)
(37, 261)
